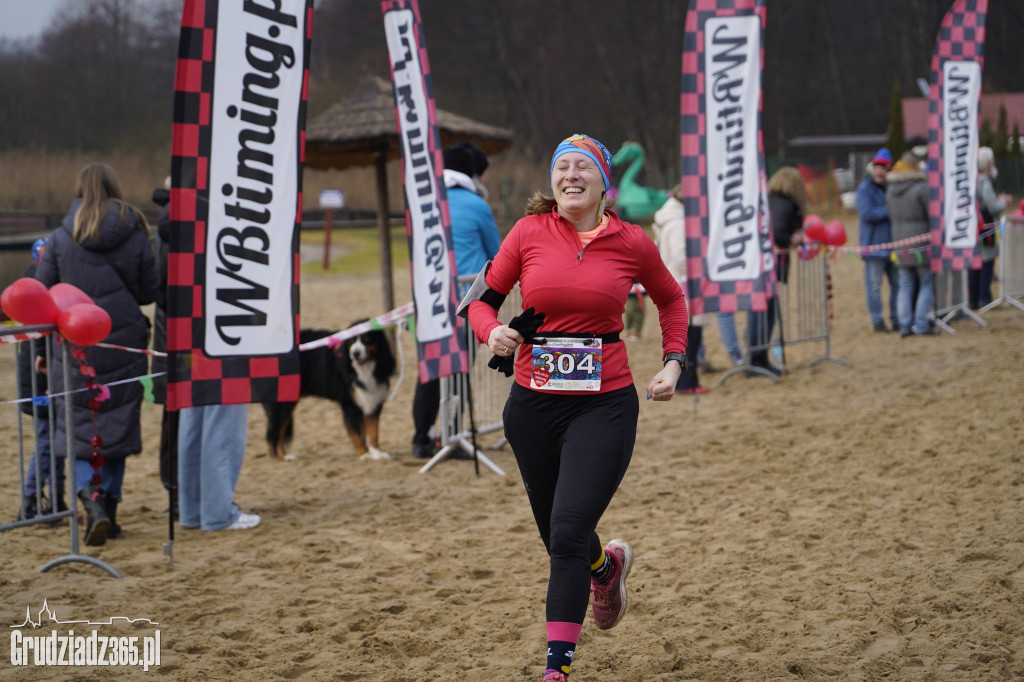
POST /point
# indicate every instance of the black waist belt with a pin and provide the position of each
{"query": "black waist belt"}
(541, 336)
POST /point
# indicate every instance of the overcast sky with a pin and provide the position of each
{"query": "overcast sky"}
(28, 18)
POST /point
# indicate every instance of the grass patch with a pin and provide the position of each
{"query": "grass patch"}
(360, 250)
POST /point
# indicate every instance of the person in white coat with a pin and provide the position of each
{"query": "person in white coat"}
(670, 236)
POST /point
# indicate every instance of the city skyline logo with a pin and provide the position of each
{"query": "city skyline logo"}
(51, 616)
(59, 645)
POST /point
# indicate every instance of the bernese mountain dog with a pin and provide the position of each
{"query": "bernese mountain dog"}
(355, 373)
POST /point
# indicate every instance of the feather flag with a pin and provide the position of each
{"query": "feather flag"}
(428, 225)
(953, 108)
(730, 264)
(236, 197)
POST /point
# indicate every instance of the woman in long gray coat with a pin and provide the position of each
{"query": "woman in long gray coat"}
(103, 248)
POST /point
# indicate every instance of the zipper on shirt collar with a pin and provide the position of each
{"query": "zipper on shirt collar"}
(570, 228)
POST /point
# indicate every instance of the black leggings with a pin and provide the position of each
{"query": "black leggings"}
(572, 453)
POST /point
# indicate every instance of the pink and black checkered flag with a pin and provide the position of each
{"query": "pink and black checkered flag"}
(236, 195)
(729, 260)
(441, 346)
(953, 110)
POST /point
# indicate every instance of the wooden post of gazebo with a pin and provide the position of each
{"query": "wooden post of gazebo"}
(361, 131)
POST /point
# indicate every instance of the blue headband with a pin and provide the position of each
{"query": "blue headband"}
(592, 148)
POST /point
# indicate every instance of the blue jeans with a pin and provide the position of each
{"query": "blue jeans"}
(731, 341)
(211, 447)
(42, 456)
(913, 314)
(874, 268)
(111, 476)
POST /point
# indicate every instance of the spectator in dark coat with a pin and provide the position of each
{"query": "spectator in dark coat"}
(161, 248)
(787, 201)
(169, 424)
(102, 247)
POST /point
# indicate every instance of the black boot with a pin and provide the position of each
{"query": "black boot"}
(97, 521)
(110, 506)
(422, 446)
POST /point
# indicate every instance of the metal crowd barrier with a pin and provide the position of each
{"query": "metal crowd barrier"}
(950, 300)
(487, 388)
(802, 314)
(34, 333)
(1011, 263)
(951, 287)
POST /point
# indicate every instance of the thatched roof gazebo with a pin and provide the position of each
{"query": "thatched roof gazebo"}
(361, 131)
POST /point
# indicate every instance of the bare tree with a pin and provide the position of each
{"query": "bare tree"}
(102, 74)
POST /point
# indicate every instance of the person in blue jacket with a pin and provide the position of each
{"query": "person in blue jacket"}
(475, 240)
(875, 228)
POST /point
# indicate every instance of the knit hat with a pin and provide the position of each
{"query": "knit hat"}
(37, 250)
(882, 158)
(467, 158)
(919, 146)
(592, 148)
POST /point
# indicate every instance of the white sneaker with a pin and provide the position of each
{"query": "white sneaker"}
(244, 522)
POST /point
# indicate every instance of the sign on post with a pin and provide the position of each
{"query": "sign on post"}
(330, 199)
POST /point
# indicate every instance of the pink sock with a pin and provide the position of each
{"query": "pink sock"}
(562, 639)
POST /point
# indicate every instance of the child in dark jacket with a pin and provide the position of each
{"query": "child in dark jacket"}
(32, 384)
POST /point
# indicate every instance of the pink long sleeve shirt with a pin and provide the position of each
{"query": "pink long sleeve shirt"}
(582, 288)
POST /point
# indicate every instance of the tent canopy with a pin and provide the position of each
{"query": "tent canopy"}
(354, 130)
(361, 131)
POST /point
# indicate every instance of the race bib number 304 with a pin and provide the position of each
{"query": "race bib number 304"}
(566, 364)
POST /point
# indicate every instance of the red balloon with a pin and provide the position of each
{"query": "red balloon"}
(814, 228)
(84, 324)
(835, 233)
(28, 301)
(812, 219)
(66, 295)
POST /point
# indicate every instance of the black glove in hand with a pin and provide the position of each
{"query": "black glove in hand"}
(526, 323)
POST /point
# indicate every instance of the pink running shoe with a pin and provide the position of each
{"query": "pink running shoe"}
(609, 603)
(552, 676)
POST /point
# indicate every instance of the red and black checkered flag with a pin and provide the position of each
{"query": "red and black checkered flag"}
(236, 197)
(442, 349)
(729, 263)
(953, 110)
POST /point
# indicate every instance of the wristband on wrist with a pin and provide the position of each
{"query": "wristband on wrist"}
(678, 357)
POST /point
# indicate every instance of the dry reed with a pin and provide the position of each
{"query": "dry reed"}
(42, 181)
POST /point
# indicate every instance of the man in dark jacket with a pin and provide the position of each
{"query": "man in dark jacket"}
(875, 229)
(907, 200)
(169, 422)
